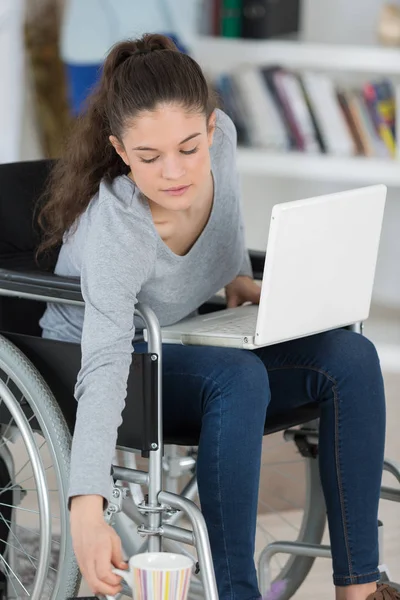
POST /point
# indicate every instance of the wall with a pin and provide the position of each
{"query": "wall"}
(341, 21)
(92, 26)
(12, 71)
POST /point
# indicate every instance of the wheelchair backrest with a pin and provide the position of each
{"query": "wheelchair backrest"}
(21, 185)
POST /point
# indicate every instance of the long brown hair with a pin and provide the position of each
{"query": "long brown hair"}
(137, 75)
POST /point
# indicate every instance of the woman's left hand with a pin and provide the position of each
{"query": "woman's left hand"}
(242, 289)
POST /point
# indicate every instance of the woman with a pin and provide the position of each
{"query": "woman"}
(148, 197)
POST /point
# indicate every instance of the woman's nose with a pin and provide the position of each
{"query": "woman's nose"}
(173, 168)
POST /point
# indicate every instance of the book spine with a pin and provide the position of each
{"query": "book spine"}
(230, 103)
(332, 122)
(314, 120)
(287, 108)
(265, 125)
(268, 74)
(216, 17)
(381, 126)
(231, 18)
(264, 19)
(353, 103)
(386, 102)
(350, 122)
(374, 140)
(255, 21)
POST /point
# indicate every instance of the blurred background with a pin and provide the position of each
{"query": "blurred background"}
(313, 88)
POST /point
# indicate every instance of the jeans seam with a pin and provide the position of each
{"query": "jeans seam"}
(206, 377)
(219, 489)
(337, 453)
(357, 576)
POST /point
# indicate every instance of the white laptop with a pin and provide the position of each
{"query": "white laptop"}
(318, 275)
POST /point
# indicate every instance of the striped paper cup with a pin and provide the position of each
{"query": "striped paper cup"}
(158, 576)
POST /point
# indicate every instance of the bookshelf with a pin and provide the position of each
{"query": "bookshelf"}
(218, 55)
(321, 167)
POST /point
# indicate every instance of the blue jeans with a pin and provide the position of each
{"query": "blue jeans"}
(227, 394)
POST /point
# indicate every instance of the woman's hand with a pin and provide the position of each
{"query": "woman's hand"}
(96, 545)
(242, 289)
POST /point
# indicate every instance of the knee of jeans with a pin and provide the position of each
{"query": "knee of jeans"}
(356, 355)
(249, 379)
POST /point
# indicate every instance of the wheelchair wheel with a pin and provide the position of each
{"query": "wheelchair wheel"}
(6, 515)
(291, 509)
(36, 559)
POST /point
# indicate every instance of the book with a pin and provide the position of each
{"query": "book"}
(318, 133)
(231, 104)
(279, 96)
(216, 18)
(386, 102)
(231, 18)
(353, 102)
(332, 124)
(268, 74)
(351, 121)
(300, 110)
(205, 17)
(379, 147)
(382, 127)
(264, 19)
(265, 126)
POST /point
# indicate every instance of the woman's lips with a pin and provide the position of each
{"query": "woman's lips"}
(177, 191)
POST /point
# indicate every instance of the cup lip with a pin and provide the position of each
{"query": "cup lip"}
(182, 557)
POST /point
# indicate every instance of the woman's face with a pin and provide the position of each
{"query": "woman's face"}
(167, 151)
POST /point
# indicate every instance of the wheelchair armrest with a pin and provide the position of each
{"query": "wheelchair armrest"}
(39, 285)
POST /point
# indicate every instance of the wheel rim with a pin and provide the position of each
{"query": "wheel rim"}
(22, 411)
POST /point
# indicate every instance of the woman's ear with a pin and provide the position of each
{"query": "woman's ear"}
(119, 149)
(211, 127)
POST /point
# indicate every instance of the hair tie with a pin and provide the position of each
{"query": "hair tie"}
(142, 52)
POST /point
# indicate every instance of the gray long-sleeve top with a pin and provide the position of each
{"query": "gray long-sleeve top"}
(121, 260)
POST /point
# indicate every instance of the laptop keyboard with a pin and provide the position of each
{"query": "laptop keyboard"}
(238, 323)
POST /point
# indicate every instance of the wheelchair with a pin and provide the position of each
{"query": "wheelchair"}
(152, 508)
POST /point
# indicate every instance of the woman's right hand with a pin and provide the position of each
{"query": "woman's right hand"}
(96, 545)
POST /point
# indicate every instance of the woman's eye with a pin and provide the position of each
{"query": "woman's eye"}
(190, 151)
(150, 160)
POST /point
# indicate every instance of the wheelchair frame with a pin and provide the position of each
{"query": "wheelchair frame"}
(159, 501)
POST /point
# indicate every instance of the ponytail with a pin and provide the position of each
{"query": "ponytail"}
(137, 75)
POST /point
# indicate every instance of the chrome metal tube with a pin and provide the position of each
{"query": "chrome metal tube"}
(296, 548)
(154, 346)
(201, 540)
(392, 467)
(189, 492)
(130, 475)
(42, 297)
(391, 494)
(357, 327)
(178, 534)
